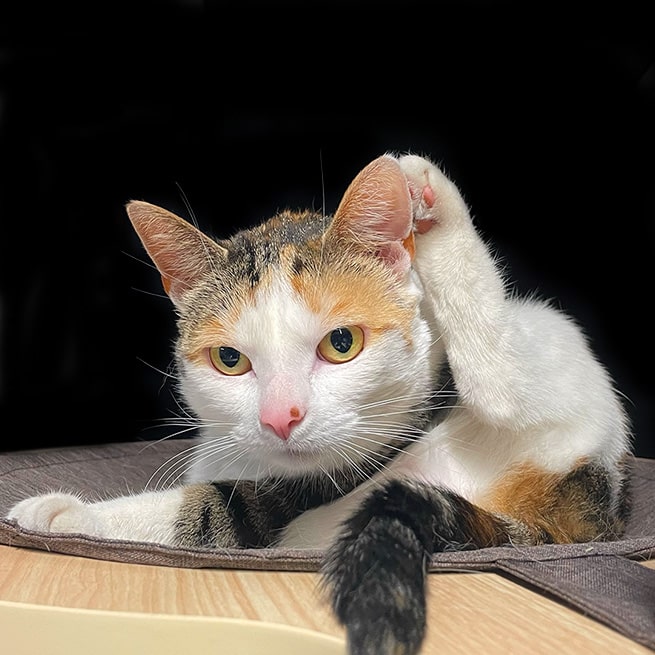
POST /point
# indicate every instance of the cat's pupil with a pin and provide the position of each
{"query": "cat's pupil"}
(341, 339)
(229, 356)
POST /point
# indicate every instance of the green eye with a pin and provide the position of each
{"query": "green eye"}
(229, 361)
(342, 345)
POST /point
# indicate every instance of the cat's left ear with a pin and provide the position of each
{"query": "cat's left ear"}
(181, 252)
(376, 213)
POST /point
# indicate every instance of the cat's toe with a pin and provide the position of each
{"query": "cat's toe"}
(428, 188)
(54, 512)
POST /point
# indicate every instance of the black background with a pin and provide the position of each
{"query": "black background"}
(544, 119)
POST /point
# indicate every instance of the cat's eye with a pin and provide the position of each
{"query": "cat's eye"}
(342, 344)
(229, 361)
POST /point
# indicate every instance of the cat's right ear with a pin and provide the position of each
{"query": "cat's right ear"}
(181, 252)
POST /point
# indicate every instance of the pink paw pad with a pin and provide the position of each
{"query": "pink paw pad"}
(428, 195)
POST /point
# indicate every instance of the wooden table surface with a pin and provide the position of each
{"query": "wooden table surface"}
(468, 612)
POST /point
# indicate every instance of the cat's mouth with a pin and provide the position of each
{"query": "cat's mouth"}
(297, 456)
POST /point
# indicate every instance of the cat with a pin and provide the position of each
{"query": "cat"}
(364, 383)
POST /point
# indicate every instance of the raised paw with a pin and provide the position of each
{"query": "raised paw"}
(54, 512)
(435, 199)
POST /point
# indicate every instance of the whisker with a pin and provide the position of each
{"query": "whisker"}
(411, 410)
(196, 453)
(170, 375)
(358, 473)
(236, 482)
(224, 449)
(194, 220)
(375, 462)
(187, 204)
(334, 482)
(168, 464)
(405, 399)
(377, 442)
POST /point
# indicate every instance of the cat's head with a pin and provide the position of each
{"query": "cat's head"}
(301, 348)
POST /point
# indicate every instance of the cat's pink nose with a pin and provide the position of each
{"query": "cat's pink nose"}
(281, 420)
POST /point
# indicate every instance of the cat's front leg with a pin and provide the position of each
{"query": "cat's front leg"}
(191, 515)
(212, 515)
(55, 512)
(465, 299)
(147, 516)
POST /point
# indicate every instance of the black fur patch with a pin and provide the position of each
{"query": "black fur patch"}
(248, 534)
(200, 522)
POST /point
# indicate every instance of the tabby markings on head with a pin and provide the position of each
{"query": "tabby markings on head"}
(289, 261)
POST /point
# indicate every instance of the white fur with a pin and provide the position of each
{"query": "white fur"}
(148, 516)
(280, 336)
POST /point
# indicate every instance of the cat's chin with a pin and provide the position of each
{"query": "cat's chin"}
(298, 461)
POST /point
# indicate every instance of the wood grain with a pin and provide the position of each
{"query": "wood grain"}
(468, 612)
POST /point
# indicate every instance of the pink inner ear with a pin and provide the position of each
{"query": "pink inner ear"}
(177, 248)
(376, 210)
(395, 255)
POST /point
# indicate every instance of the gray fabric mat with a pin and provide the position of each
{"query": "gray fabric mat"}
(601, 579)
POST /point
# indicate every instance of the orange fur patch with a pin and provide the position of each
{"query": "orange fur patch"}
(546, 503)
(212, 333)
(410, 245)
(363, 294)
(351, 298)
(217, 330)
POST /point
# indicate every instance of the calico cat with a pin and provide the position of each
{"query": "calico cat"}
(365, 384)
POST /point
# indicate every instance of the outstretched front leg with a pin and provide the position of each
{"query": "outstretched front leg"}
(149, 516)
(226, 514)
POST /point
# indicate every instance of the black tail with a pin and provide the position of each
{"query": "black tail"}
(375, 572)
